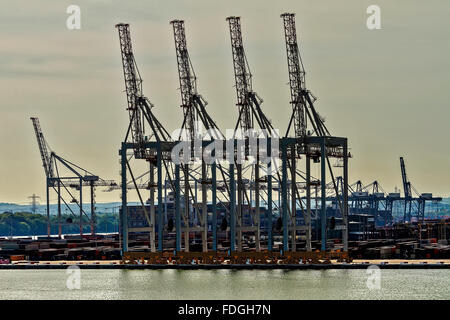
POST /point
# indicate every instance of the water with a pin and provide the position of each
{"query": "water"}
(225, 284)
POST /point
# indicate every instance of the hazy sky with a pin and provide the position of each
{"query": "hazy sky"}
(386, 90)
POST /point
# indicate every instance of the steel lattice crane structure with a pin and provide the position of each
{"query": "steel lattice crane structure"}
(303, 109)
(192, 102)
(194, 111)
(43, 149)
(241, 195)
(296, 77)
(251, 117)
(248, 101)
(302, 99)
(241, 207)
(406, 190)
(139, 106)
(419, 199)
(77, 179)
(141, 115)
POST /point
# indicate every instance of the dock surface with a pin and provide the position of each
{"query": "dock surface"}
(116, 264)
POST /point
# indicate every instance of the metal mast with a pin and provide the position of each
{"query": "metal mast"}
(139, 107)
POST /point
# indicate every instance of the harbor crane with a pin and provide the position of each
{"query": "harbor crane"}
(407, 192)
(250, 117)
(419, 199)
(194, 111)
(302, 101)
(242, 207)
(77, 179)
(141, 116)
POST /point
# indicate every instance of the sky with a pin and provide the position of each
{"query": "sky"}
(386, 90)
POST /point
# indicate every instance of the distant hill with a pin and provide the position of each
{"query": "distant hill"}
(107, 207)
(100, 207)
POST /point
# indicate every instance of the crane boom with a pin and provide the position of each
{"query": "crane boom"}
(406, 183)
(45, 155)
(242, 74)
(133, 83)
(247, 100)
(187, 77)
(139, 107)
(302, 99)
(296, 75)
(191, 101)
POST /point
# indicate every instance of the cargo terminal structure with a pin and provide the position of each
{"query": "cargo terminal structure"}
(258, 199)
(242, 206)
(237, 187)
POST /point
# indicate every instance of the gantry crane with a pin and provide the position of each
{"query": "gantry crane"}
(141, 115)
(194, 111)
(251, 117)
(302, 101)
(78, 179)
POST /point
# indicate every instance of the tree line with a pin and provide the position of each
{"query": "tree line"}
(29, 224)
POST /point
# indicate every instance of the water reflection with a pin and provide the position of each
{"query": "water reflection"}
(225, 284)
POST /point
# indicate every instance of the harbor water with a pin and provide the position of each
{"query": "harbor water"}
(224, 284)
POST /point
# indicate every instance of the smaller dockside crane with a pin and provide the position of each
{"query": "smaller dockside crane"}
(76, 178)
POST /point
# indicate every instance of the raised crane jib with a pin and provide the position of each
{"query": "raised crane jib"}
(133, 83)
(139, 107)
(296, 75)
(192, 103)
(45, 155)
(247, 100)
(406, 183)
